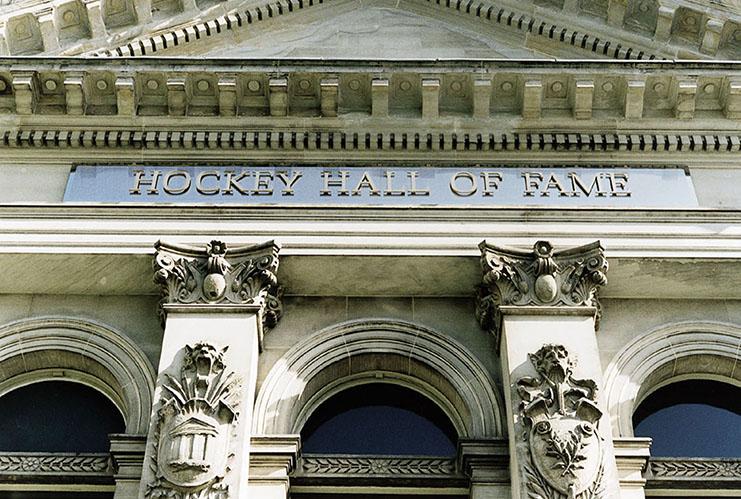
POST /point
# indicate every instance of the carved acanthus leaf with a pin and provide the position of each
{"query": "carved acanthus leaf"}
(218, 274)
(541, 277)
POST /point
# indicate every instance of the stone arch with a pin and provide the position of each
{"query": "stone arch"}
(373, 350)
(670, 353)
(80, 351)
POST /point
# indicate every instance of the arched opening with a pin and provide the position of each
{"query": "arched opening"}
(379, 419)
(57, 416)
(365, 351)
(693, 418)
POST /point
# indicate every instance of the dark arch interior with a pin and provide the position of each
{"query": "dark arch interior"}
(57, 416)
(379, 419)
(695, 418)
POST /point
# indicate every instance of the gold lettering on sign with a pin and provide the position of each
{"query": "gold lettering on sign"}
(602, 184)
(289, 183)
(366, 182)
(330, 182)
(491, 182)
(139, 181)
(208, 191)
(263, 184)
(532, 182)
(553, 183)
(390, 191)
(171, 187)
(461, 190)
(413, 189)
(618, 184)
(576, 183)
(233, 183)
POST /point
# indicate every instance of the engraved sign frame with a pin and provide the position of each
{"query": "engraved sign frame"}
(612, 186)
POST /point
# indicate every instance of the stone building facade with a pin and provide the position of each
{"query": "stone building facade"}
(222, 216)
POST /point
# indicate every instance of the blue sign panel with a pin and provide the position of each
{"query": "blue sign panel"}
(598, 187)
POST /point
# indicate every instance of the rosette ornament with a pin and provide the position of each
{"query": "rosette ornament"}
(542, 277)
(219, 275)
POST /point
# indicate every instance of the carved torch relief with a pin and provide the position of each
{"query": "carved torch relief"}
(194, 426)
(561, 420)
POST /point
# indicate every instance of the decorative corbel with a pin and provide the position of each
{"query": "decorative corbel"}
(219, 276)
(539, 278)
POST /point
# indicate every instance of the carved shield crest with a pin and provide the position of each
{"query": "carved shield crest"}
(567, 453)
(565, 447)
(193, 448)
(194, 428)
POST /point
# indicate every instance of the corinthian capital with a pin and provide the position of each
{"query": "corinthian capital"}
(542, 277)
(217, 275)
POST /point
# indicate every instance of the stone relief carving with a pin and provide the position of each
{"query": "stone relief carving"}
(694, 468)
(355, 465)
(188, 275)
(54, 463)
(541, 277)
(561, 418)
(194, 428)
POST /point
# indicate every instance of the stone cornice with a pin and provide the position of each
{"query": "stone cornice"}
(541, 95)
(543, 277)
(219, 276)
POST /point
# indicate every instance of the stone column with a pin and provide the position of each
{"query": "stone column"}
(215, 305)
(542, 307)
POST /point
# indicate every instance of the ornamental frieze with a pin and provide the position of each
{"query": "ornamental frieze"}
(561, 417)
(371, 465)
(194, 426)
(543, 277)
(220, 275)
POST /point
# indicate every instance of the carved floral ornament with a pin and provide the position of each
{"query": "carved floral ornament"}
(194, 426)
(188, 275)
(562, 418)
(542, 277)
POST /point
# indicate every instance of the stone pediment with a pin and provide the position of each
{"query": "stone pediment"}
(615, 29)
(368, 30)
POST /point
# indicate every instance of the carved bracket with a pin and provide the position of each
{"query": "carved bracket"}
(538, 278)
(218, 275)
(562, 421)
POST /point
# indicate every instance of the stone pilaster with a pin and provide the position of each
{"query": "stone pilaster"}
(272, 459)
(127, 456)
(542, 306)
(485, 462)
(216, 302)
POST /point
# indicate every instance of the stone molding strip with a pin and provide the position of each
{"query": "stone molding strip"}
(322, 465)
(689, 468)
(429, 142)
(39, 463)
